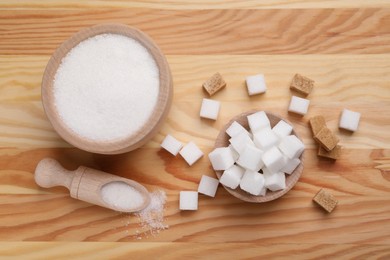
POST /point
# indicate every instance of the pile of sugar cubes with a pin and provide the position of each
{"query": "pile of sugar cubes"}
(257, 160)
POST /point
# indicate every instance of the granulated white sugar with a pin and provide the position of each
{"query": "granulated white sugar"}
(121, 196)
(152, 217)
(106, 87)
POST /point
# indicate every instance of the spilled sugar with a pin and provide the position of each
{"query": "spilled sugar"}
(153, 215)
(125, 198)
(150, 219)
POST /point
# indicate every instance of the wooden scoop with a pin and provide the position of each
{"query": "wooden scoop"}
(84, 183)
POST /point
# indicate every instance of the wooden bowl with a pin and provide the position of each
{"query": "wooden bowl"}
(223, 141)
(153, 124)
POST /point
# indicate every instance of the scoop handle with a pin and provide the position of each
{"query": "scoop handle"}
(49, 173)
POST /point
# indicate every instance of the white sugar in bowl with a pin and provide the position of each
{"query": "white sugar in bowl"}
(107, 89)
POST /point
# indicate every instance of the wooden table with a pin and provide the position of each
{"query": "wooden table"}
(343, 45)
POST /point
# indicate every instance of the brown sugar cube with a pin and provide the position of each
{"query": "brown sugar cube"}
(326, 138)
(333, 154)
(214, 84)
(302, 84)
(317, 123)
(326, 200)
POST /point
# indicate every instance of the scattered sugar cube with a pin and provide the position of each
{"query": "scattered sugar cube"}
(299, 105)
(291, 146)
(191, 153)
(326, 200)
(214, 84)
(235, 154)
(208, 186)
(171, 145)
(291, 165)
(265, 138)
(275, 181)
(252, 182)
(235, 128)
(251, 158)
(256, 84)
(349, 120)
(221, 158)
(282, 129)
(240, 141)
(258, 121)
(209, 109)
(326, 138)
(332, 154)
(316, 124)
(231, 177)
(302, 84)
(273, 159)
(188, 200)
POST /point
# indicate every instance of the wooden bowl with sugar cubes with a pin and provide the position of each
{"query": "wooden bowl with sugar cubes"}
(258, 157)
(107, 89)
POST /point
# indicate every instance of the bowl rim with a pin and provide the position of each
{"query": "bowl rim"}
(154, 122)
(270, 195)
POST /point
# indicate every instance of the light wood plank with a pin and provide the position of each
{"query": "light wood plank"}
(142, 250)
(341, 81)
(276, 31)
(187, 4)
(361, 216)
(362, 219)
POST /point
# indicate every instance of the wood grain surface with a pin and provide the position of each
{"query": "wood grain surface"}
(343, 45)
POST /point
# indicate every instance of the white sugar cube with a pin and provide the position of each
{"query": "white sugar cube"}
(221, 158)
(256, 84)
(299, 105)
(291, 146)
(240, 141)
(188, 200)
(191, 153)
(273, 159)
(275, 181)
(250, 158)
(349, 120)
(252, 182)
(265, 138)
(258, 121)
(266, 172)
(235, 128)
(171, 145)
(282, 129)
(208, 186)
(263, 191)
(291, 165)
(209, 109)
(231, 177)
(235, 154)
